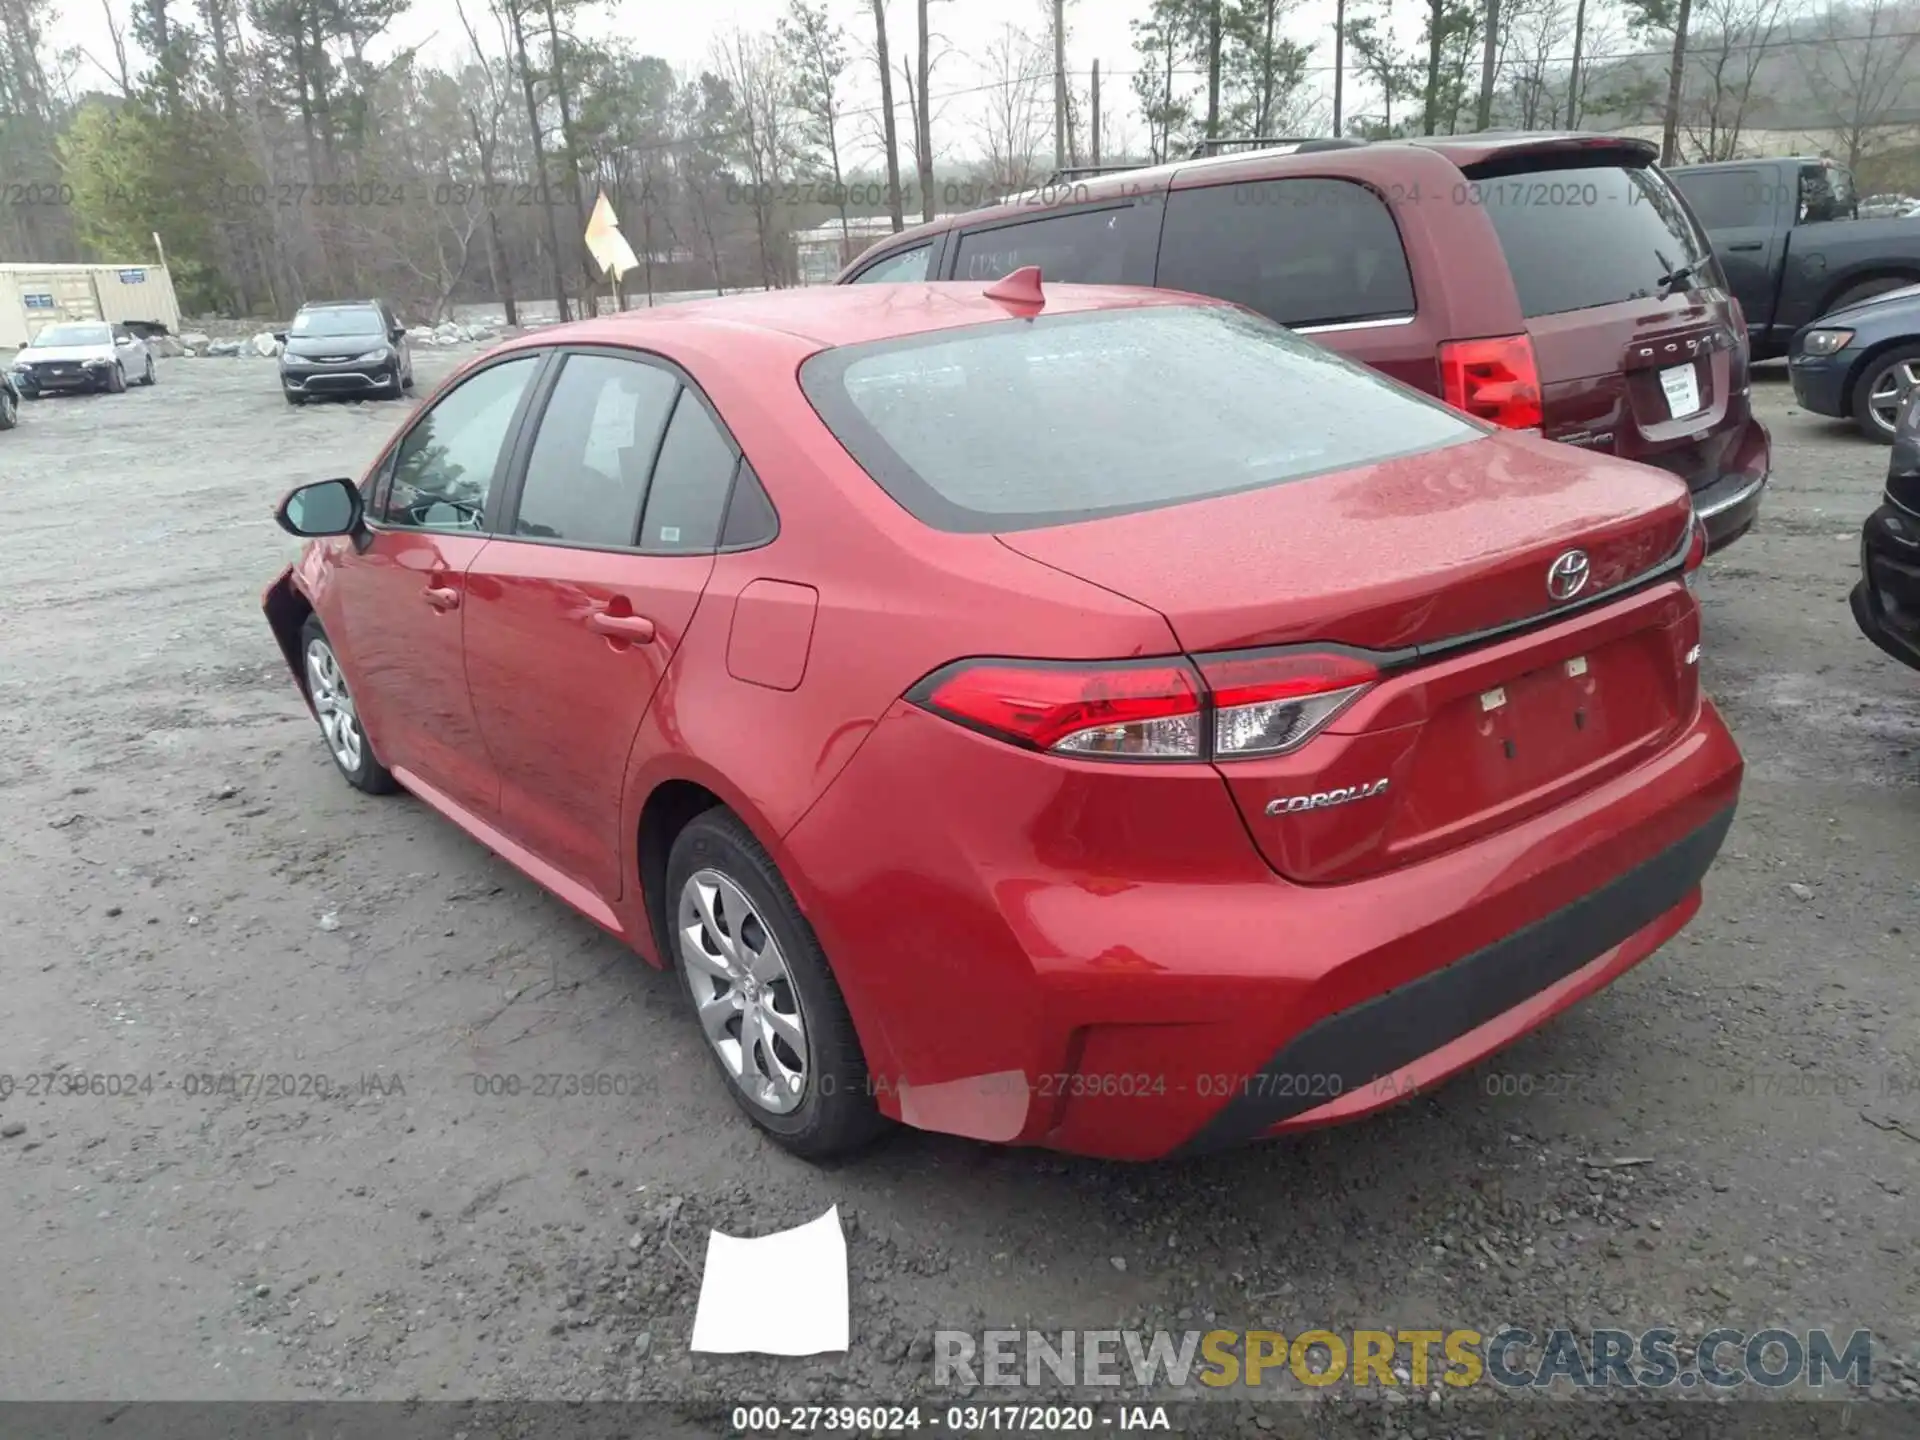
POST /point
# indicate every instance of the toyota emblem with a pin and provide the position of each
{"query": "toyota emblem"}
(1567, 576)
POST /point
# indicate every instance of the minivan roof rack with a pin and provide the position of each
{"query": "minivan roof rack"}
(1076, 172)
(1304, 143)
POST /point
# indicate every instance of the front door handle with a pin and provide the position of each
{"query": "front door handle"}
(441, 598)
(636, 628)
(1747, 245)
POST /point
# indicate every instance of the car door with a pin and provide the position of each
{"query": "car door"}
(131, 354)
(1737, 209)
(402, 593)
(580, 602)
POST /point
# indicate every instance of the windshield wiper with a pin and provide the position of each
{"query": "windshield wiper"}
(1675, 278)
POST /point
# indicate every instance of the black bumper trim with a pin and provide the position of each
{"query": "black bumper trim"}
(1889, 580)
(1376, 1037)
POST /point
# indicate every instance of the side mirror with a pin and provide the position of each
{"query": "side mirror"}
(281, 336)
(326, 507)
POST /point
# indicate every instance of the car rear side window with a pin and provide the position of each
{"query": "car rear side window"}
(688, 496)
(1594, 235)
(587, 475)
(1081, 247)
(1302, 252)
(908, 265)
(1727, 199)
(1021, 424)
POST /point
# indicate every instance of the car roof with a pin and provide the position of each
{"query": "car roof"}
(826, 316)
(1313, 155)
(342, 305)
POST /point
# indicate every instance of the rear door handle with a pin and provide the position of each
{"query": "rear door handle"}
(1747, 245)
(441, 598)
(636, 628)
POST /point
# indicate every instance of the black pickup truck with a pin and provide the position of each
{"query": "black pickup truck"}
(1787, 236)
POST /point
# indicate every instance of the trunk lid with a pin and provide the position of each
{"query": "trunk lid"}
(1410, 556)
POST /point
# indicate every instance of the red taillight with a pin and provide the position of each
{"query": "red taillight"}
(1696, 547)
(1254, 703)
(1119, 711)
(1496, 380)
(1269, 704)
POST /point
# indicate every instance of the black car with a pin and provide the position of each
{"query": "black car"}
(1886, 602)
(1860, 362)
(344, 347)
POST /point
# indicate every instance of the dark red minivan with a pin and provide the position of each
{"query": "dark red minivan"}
(1555, 283)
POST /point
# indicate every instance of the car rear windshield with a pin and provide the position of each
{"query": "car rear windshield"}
(73, 335)
(359, 320)
(1588, 236)
(1022, 424)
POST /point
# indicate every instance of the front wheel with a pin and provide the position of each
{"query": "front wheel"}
(117, 379)
(763, 993)
(9, 409)
(1882, 386)
(339, 717)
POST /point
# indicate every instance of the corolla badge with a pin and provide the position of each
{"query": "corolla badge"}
(1325, 799)
(1567, 576)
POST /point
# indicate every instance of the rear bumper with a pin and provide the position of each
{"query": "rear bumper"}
(1106, 966)
(1886, 600)
(1729, 505)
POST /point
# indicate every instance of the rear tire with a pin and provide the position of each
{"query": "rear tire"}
(759, 975)
(1878, 391)
(339, 717)
(150, 378)
(9, 411)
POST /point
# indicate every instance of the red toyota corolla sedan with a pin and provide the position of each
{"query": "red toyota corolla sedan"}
(1093, 718)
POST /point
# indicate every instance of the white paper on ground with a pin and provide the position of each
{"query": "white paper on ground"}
(783, 1294)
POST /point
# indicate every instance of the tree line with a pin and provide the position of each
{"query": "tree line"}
(284, 150)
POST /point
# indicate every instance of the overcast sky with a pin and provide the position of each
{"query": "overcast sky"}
(684, 31)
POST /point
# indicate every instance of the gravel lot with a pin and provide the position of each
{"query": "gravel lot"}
(190, 890)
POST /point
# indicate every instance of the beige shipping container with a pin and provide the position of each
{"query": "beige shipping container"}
(35, 295)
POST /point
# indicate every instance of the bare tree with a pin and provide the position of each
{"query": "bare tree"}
(889, 130)
(1862, 68)
(754, 69)
(1727, 53)
(1014, 125)
(923, 113)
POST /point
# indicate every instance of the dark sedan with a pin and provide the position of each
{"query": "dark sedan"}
(1886, 602)
(1860, 362)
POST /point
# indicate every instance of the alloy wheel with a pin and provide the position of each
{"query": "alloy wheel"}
(1890, 387)
(743, 992)
(332, 702)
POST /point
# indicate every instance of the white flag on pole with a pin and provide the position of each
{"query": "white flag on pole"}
(605, 242)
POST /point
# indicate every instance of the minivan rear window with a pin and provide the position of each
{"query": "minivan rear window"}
(1022, 424)
(1588, 236)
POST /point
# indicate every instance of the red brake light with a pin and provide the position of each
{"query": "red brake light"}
(1696, 547)
(1259, 703)
(1114, 711)
(1496, 380)
(1269, 704)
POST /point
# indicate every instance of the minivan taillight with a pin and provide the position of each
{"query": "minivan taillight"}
(1233, 706)
(1495, 379)
(1696, 550)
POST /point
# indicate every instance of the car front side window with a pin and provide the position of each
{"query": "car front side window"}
(445, 468)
